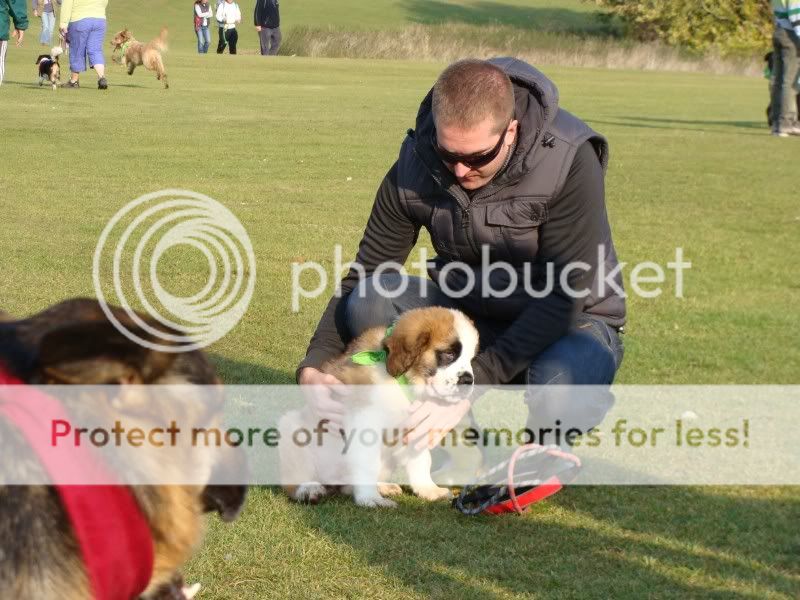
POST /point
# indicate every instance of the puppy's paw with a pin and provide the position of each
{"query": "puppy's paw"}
(375, 502)
(389, 489)
(310, 493)
(434, 493)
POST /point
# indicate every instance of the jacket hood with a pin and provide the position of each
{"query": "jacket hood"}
(536, 99)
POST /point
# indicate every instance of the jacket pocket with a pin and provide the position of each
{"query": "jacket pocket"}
(513, 228)
(521, 213)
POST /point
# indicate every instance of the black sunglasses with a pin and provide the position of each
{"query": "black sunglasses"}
(473, 161)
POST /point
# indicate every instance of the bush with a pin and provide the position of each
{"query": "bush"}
(723, 26)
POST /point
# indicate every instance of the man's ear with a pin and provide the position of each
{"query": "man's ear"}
(404, 347)
(98, 353)
(513, 127)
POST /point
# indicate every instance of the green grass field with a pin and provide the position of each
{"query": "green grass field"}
(296, 148)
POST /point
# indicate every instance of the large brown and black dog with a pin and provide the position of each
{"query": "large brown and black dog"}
(74, 343)
(135, 53)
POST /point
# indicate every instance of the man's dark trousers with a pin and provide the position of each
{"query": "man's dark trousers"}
(270, 39)
(784, 91)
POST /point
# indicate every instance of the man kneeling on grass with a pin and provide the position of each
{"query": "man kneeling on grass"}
(494, 168)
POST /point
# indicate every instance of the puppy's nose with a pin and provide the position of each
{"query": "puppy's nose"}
(465, 378)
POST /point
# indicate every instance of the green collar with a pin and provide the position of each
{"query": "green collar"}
(124, 48)
(377, 357)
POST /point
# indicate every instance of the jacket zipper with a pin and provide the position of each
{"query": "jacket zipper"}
(466, 221)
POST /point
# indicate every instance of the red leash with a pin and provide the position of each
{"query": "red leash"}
(112, 533)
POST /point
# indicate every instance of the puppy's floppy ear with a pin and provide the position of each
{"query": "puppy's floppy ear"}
(404, 347)
(96, 352)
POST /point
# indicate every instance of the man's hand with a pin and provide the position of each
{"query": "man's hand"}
(321, 397)
(258, 27)
(35, 13)
(19, 34)
(430, 421)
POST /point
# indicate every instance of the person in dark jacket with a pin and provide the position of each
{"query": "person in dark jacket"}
(17, 11)
(267, 19)
(497, 173)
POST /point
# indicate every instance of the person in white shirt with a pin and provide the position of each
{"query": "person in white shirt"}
(202, 14)
(229, 16)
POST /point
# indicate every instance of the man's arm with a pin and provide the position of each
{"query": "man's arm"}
(389, 236)
(572, 234)
(19, 14)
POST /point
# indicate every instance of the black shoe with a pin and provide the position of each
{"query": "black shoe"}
(102, 84)
(72, 84)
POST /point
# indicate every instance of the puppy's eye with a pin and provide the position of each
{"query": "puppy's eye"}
(445, 357)
(449, 355)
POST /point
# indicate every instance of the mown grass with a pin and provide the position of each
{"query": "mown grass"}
(295, 148)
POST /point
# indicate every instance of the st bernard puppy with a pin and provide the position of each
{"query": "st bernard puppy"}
(426, 354)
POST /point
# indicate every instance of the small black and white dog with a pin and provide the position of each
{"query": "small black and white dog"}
(49, 69)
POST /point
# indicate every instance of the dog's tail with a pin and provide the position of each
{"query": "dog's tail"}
(161, 41)
(56, 51)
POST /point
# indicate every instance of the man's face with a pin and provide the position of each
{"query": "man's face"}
(476, 141)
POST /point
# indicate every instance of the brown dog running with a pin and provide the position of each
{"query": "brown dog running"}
(74, 343)
(135, 53)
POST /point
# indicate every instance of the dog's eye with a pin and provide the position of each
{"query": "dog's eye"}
(449, 355)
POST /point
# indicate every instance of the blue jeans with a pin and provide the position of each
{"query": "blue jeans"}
(48, 23)
(588, 355)
(203, 40)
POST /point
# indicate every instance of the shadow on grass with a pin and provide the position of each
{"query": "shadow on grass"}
(90, 84)
(433, 12)
(678, 125)
(585, 542)
(740, 124)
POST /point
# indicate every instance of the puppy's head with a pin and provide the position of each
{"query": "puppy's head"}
(434, 348)
(119, 38)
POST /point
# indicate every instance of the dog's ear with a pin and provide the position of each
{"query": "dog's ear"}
(96, 352)
(407, 342)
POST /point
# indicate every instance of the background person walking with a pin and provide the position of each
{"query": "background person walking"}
(786, 41)
(202, 16)
(45, 10)
(268, 25)
(229, 15)
(84, 24)
(16, 11)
